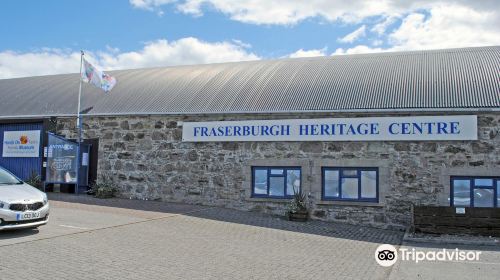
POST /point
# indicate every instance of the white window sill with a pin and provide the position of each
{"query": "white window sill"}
(350, 203)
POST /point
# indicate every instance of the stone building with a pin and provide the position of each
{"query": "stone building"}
(365, 137)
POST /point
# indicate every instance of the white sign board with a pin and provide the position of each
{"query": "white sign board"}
(416, 128)
(85, 159)
(21, 143)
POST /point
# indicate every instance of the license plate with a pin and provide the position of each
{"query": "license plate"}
(28, 216)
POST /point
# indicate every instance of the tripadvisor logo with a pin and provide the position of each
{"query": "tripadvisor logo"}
(387, 255)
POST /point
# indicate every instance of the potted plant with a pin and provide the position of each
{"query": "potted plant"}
(297, 209)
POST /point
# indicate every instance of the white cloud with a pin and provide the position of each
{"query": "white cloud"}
(402, 24)
(358, 49)
(44, 62)
(447, 26)
(241, 43)
(377, 43)
(292, 12)
(278, 11)
(308, 53)
(355, 35)
(149, 4)
(158, 53)
(181, 52)
(382, 26)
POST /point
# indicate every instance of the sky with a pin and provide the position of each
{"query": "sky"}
(44, 37)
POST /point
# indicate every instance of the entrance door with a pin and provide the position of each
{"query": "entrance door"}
(93, 157)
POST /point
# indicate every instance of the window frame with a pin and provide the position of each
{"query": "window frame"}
(473, 186)
(269, 175)
(340, 170)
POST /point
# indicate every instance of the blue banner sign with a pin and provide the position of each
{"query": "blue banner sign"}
(416, 128)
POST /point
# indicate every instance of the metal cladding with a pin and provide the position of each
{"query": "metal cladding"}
(467, 78)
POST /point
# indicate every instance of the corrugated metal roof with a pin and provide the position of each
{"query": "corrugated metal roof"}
(421, 80)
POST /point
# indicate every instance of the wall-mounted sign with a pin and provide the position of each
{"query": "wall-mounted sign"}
(21, 143)
(416, 128)
(61, 160)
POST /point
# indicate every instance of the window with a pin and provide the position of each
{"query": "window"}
(350, 183)
(475, 191)
(275, 182)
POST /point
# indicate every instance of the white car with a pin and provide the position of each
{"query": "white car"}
(21, 205)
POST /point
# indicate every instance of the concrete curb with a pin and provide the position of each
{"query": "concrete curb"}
(443, 240)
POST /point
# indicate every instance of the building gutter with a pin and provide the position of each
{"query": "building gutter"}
(364, 111)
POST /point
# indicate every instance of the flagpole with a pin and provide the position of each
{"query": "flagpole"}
(79, 127)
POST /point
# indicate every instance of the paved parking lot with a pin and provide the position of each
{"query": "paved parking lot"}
(88, 238)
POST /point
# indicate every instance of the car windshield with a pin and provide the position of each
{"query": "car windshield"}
(8, 179)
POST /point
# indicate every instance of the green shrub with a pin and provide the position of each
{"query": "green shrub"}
(34, 180)
(104, 187)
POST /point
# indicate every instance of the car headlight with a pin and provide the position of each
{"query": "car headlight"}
(2, 204)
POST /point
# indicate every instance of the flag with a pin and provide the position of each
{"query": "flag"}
(92, 75)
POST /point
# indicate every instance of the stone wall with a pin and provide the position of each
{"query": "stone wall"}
(146, 158)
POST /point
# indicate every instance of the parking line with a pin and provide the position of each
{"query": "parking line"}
(74, 227)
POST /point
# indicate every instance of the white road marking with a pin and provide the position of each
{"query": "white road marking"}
(74, 227)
